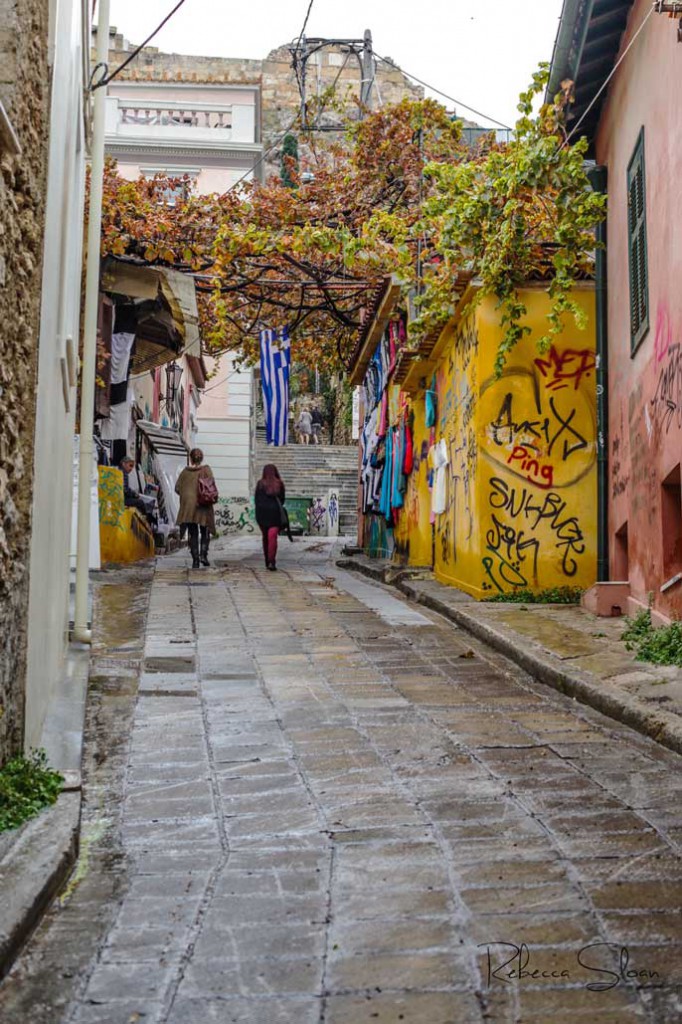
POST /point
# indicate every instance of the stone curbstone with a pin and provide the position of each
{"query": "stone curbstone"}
(657, 725)
(33, 869)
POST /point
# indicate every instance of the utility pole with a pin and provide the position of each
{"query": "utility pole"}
(368, 72)
(303, 49)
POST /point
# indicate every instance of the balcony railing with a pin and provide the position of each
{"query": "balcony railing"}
(194, 115)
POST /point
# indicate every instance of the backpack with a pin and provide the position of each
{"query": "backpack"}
(207, 492)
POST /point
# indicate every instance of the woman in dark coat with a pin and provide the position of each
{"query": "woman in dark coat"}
(270, 495)
(198, 518)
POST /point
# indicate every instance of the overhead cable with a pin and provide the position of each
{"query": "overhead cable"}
(618, 63)
(305, 24)
(458, 103)
(131, 57)
(265, 154)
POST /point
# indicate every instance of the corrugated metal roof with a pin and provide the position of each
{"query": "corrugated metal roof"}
(585, 51)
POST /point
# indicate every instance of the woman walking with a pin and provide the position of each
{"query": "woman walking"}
(198, 494)
(270, 493)
(304, 425)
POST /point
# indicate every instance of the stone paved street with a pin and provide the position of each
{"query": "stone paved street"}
(308, 802)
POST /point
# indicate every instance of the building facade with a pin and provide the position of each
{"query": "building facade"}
(634, 133)
(43, 52)
(489, 480)
(24, 95)
(221, 120)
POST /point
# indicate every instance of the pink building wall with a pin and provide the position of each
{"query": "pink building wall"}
(645, 389)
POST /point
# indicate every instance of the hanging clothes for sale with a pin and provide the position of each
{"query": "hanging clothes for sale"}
(385, 500)
(431, 402)
(438, 456)
(408, 460)
(397, 481)
(383, 415)
(392, 345)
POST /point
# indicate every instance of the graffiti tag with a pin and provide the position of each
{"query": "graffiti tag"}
(563, 369)
(543, 476)
(667, 401)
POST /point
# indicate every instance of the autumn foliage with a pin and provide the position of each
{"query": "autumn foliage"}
(307, 257)
(401, 194)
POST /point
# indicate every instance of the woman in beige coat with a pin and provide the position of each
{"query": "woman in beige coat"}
(198, 518)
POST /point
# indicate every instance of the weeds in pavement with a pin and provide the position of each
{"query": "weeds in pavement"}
(27, 785)
(660, 646)
(554, 595)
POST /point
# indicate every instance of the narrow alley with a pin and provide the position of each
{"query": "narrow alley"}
(307, 801)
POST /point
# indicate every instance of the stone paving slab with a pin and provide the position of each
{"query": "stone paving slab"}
(565, 646)
(359, 813)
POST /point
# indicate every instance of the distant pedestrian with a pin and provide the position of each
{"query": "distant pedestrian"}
(270, 495)
(198, 493)
(304, 426)
(318, 423)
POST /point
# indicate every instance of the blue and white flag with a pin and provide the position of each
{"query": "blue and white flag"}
(275, 358)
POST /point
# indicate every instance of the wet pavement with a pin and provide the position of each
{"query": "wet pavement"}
(308, 802)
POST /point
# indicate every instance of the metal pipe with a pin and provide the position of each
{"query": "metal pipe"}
(599, 179)
(81, 632)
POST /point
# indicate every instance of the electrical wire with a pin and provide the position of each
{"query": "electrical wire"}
(264, 155)
(131, 57)
(458, 103)
(305, 24)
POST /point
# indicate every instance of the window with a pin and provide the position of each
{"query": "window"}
(639, 278)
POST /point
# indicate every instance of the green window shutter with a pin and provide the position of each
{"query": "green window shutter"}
(639, 275)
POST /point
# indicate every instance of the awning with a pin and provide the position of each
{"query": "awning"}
(169, 318)
(164, 440)
(169, 458)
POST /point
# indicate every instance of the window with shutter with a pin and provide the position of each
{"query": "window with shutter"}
(639, 277)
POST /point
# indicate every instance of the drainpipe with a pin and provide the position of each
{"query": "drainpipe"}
(599, 178)
(81, 632)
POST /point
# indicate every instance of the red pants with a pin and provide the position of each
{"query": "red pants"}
(270, 534)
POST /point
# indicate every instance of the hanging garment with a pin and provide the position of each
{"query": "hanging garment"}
(397, 490)
(383, 415)
(392, 345)
(385, 499)
(121, 346)
(408, 461)
(440, 461)
(431, 403)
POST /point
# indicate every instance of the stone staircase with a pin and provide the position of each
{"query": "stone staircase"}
(310, 470)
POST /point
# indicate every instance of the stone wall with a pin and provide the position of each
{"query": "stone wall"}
(24, 89)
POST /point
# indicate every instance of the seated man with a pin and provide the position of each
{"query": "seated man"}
(133, 499)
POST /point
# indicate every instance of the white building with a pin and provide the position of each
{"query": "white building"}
(212, 133)
(57, 362)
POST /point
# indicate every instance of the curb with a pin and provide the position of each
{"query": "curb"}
(33, 870)
(657, 725)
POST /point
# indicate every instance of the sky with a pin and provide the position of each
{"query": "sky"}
(481, 52)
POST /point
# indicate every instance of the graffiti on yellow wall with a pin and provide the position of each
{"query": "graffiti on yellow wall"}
(521, 489)
(124, 533)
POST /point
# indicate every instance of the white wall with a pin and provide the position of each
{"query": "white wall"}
(55, 412)
(224, 427)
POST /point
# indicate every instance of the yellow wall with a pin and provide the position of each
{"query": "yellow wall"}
(521, 507)
(123, 532)
(521, 502)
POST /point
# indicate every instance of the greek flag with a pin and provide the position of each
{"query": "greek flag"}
(275, 357)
